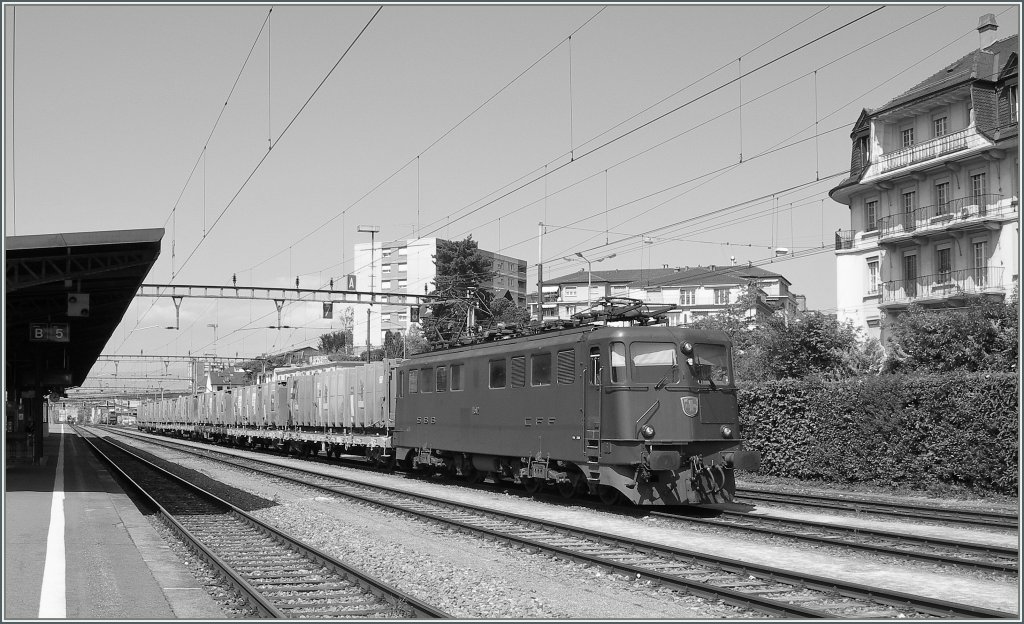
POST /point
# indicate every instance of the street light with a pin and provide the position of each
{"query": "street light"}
(372, 230)
(589, 272)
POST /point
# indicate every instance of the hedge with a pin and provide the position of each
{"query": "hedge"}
(919, 431)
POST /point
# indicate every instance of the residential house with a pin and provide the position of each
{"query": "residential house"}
(934, 191)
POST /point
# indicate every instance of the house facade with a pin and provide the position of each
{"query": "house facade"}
(934, 191)
(694, 292)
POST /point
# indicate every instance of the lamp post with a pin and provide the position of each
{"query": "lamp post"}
(589, 271)
(372, 230)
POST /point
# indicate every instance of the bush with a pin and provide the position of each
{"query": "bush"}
(923, 431)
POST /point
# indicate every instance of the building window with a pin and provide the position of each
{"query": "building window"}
(687, 296)
(979, 188)
(722, 296)
(940, 127)
(385, 317)
(980, 260)
(910, 275)
(943, 260)
(909, 207)
(403, 267)
(908, 137)
(385, 284)
(403, 317)
(862, 150)
(872, 277)
(1013, 103)
(385, 268)
(620, 290)
(942, 198)
(871, 216)
(569, 292)
(403, 251)
(403, 283)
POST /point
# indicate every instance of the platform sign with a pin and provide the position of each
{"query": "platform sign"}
(49, 332)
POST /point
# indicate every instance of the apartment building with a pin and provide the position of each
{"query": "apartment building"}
(693, 291)
(407, 267)
(934, 191)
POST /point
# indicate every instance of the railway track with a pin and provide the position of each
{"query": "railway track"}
(863, 505)
(274, 574)
(764, 589)
(931, 549)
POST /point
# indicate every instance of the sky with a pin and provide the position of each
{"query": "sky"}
(261, 136)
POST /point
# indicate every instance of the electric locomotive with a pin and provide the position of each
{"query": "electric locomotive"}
(642, 412)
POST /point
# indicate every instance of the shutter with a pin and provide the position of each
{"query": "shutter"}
(566, 367)
(518, 372)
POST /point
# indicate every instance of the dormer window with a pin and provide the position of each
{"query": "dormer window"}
(862, 150)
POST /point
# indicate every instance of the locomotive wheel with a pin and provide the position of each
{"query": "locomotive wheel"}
(567, 489)
(472, 475)
(608, 495)
(532, 485)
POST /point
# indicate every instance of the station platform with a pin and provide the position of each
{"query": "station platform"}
(76, 547)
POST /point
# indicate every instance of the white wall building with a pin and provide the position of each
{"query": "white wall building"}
(693, 291)
(934, 192)
(407, 267)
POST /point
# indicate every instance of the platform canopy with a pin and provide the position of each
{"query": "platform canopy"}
(65, 295)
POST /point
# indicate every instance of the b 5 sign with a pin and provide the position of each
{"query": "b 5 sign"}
(49, 332)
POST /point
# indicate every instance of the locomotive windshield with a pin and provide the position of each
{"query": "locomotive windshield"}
(654, 362)
(716, 358)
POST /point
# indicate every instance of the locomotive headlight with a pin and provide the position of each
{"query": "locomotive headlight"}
(647, 431)
(726, 431)
(686, 348)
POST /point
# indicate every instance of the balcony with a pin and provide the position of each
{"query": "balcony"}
(943, 286)
(965, 213)
(929, 150)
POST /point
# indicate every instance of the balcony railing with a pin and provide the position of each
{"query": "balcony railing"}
(945, 285)
(941, 216)
(844, 239)
(928, 150)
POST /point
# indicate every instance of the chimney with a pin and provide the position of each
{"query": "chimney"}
(987, 30)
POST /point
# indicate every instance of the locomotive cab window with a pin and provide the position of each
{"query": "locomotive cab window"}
(442, 379)
(654, 362)
(497, 377)
(414, 381)
(540, 369)
(456, 376)
(618, 362)
(715, 358)
(401, 384)
(595, 366)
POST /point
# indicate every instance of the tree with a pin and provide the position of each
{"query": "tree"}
(502, 310)
(982, 335)
(334, 342)
(460, 270)
(812, 344)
